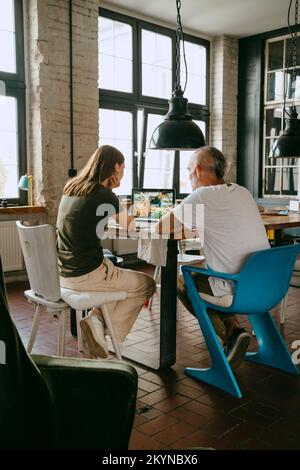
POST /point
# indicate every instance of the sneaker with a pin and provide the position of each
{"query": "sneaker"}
(93, 337)
(236, 347)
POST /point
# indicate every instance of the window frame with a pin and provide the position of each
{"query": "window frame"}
(112, 99)
(282, 164)
(15, 87)
(250, 138)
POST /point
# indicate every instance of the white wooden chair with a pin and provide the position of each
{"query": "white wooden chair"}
(39, 251)
(182, 259)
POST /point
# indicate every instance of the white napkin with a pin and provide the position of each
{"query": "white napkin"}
(152, 250)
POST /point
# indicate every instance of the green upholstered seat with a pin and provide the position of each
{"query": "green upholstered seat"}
(53, 402)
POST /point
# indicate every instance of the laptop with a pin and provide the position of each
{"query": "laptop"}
(149, 205)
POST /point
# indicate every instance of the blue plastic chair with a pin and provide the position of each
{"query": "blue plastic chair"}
(260, 286)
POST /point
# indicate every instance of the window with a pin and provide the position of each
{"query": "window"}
(12, 105)
(156, 64)
(115, 46)
(136, 78)
(7, 37)
(184, 182)
(196, 65)
(159, 164)
(280, 176)
(9, 147)
(116, 128)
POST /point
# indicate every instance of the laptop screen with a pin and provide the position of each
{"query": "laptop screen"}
(151, 204)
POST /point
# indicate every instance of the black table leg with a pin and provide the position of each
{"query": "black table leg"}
(166, 356)
(168, 304)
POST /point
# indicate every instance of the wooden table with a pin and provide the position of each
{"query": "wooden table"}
(280, 222)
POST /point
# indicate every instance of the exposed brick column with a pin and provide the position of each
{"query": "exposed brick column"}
(223, 124)
(48, 92)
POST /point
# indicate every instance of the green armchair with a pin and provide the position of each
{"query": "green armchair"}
(61, 403)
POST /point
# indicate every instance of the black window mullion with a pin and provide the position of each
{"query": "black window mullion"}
(134, 150)
(135, 55)
(139, 62)
(176, 172)
(19, 39)
(173, 61)
(143, 149)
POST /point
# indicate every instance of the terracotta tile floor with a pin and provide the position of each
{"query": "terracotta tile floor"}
(177, 412)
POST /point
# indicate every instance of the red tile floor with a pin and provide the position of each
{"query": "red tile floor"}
(177, 412)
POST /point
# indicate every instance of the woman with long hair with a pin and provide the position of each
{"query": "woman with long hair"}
(82, 265)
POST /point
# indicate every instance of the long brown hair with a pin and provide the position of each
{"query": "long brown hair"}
(99, 167)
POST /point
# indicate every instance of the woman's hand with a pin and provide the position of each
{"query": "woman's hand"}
(113, 181)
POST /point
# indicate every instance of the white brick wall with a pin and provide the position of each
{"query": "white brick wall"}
(223, 123)
(48, 92)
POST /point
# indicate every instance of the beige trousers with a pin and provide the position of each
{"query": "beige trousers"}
(108, 278)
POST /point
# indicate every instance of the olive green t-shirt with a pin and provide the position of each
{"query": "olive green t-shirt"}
(80, 228)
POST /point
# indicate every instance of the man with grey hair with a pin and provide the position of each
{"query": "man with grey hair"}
(233, 229)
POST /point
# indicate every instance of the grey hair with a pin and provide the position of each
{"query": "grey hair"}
(220, 163)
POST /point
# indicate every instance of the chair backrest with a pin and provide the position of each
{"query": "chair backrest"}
(26, 408)
(39, 251)
(53, 403)
(264, 279)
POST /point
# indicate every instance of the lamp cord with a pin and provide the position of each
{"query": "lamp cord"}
(179, 36)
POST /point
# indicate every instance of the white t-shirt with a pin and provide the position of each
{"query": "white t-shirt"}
(233, 228)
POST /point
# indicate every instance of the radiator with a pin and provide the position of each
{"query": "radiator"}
(10, 248)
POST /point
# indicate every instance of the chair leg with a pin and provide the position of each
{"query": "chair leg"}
(151, 302)
(156, 277)
(179, 272)
(282, 309)
(272, 349)
(157, 274)
(111, 332)
(219, 374)
(79, 316)
(62, 333)
(34, 329)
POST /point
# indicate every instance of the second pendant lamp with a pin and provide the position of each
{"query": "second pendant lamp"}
(288, 144)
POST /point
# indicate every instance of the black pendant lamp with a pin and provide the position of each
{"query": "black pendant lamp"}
(288, 144)
(177, 131)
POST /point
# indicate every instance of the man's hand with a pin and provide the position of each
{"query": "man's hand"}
(170, 225)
